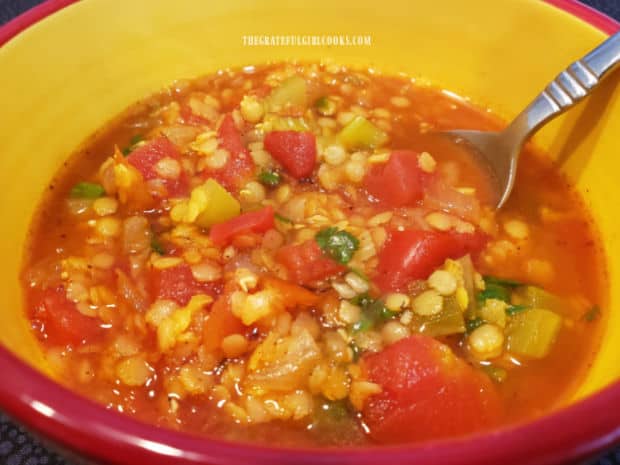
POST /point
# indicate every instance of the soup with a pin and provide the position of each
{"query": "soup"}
(294, 250)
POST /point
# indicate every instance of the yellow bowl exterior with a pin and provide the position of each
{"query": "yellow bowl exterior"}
(68, 75)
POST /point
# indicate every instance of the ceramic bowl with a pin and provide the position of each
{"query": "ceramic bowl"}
(68, 67)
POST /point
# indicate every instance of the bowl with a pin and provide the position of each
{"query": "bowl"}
(68, 67)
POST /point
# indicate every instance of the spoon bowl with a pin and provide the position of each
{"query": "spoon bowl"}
(500, 151)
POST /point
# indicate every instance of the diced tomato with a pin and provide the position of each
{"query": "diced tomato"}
(229, 135)
(253, 222)
(61, 322)
(399, 182)
(295, 151)
(240, 167)
(414, 254)
(440, 196)
(294, 295)
(306, 263)
(178, 284)
(146, 157)
(427, 393)
(220, 323)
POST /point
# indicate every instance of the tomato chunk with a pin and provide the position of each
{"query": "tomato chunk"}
(146, 157)
(229, 136)
(295, 151)
(256, 222)
(414, 254)
(178, 284)
(60, 321)
(220, 323)
(294, 295)
(307, 264)
(240, 167)
(399, 182)
(427, 393)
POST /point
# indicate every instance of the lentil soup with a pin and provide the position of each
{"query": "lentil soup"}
(292, 250)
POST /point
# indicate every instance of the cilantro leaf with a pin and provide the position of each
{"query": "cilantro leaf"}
(338, 244)
(514, 309)
(87, 190)
(502, 281)
(325, 106)
(269, 178)
(592, 314)
(156, 245)
(135, 140)
(493, 291)
(470, 325)
(373, 312)
(282, 218)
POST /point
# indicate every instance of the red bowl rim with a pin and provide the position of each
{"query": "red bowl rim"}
(80, 425)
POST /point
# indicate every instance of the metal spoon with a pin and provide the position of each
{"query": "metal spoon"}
(501, 150)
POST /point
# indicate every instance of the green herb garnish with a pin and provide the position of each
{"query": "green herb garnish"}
(592, 314)
(387, 314)
(373, 311)
(157, 246)
(270, 178)
(338, 244)
(380, 311)
(87, 190)
(337, 410)
(325, 106)
(501, 281)
(493, 291)
(514, 309)
(364, 324)
(135, 140)
(362, 300)
(357, 352)
(470, 325)
(332, 415)
(282, 218)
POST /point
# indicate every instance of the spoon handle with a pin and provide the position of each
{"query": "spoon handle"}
(568, 88)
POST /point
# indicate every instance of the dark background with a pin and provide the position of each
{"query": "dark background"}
(10, 8)
(18, 448)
